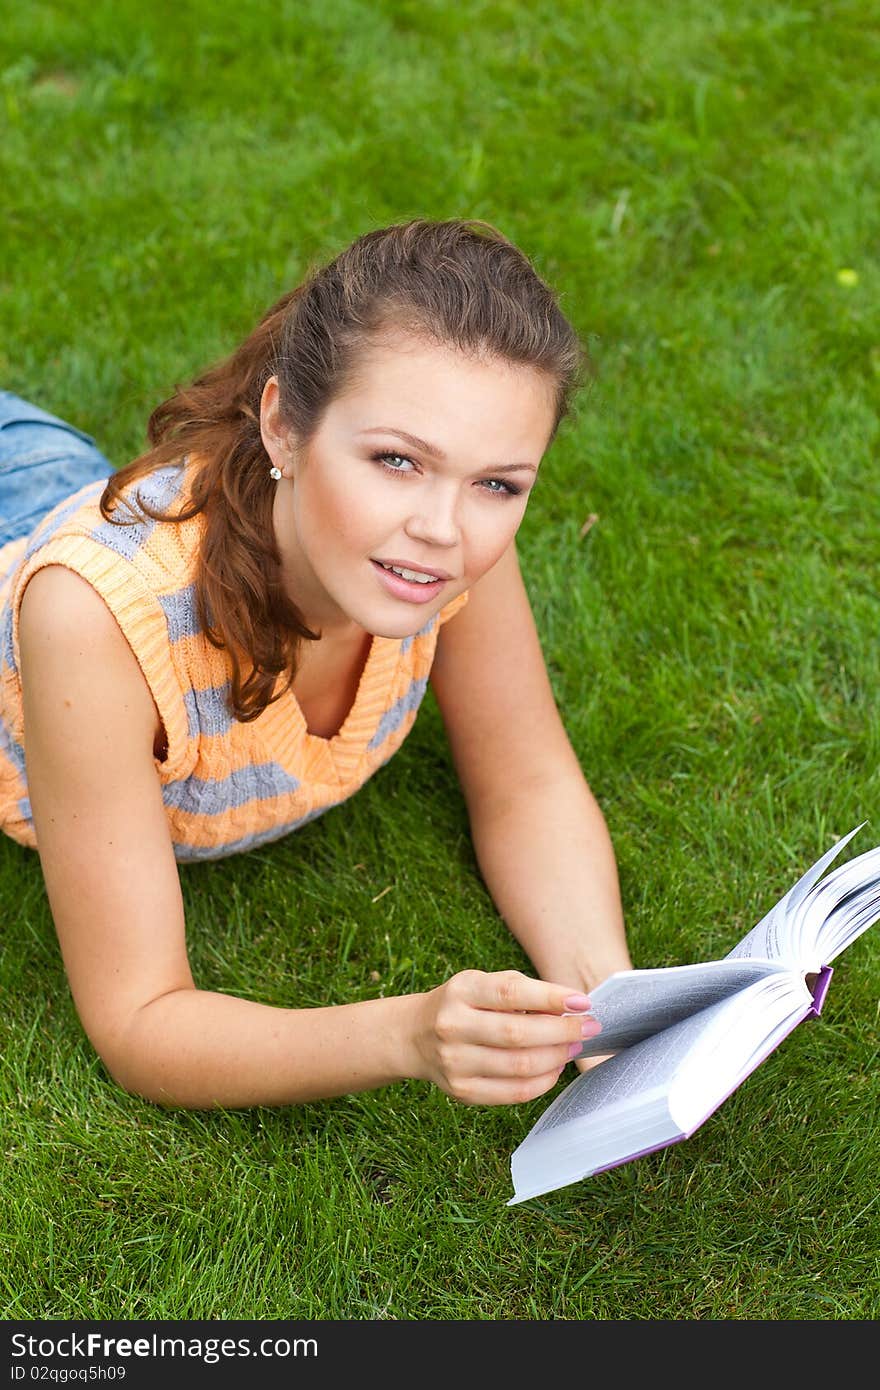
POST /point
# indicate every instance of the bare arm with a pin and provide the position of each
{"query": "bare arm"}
(114, 891)
(540, 838)
(550, 869)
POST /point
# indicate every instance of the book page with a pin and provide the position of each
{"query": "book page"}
(633, 1004)
(714, 1049)
(841, 907)
(629, 1075)
(772, 938)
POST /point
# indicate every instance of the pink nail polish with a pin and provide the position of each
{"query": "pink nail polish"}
(577, 1003)
(574, 1051)
(590, 1027)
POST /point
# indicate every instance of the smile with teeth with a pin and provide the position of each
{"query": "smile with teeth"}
(411, 575)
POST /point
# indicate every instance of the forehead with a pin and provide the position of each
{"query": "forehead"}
(445, 395)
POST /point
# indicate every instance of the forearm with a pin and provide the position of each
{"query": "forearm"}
(198, 1049)
(547, 859)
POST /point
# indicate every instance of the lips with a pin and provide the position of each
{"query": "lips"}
(409, 590)
(418, 569)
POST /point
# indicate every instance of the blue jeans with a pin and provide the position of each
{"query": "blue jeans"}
(43, 461)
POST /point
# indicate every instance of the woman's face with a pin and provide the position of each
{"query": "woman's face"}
(369, 493)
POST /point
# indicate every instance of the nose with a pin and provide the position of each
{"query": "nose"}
(435, 521)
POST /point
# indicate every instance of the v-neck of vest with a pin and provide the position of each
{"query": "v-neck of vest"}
(344, 729)
(344, 750)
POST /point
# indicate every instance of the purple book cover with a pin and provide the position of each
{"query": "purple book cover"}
(820, 989)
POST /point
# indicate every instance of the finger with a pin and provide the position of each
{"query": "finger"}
(510, 990)
(525, 1031)
(522, 1063)
(489, 1090)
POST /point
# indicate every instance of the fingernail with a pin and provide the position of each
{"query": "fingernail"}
(590, 1027)
(574, 1051)
(577, 1003)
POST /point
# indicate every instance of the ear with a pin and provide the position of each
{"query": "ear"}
(275, 434)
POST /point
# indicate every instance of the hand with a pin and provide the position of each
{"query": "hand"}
(498, 1038)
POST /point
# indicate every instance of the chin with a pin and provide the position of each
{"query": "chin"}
(401, 626)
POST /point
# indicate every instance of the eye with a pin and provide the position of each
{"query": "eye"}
(501, 489)
(395, 463)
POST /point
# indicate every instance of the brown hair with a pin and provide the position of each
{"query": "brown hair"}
(455, 282)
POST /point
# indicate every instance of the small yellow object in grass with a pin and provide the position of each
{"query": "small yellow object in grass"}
(847, 276)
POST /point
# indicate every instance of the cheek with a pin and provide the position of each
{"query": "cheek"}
(331, 511)
(490, 532)
(358, 518)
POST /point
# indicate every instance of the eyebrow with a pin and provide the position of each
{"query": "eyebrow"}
(437, 453)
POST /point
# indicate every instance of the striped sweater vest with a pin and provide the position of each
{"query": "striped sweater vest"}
(227, 786)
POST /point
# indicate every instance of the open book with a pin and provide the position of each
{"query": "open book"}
(683, 1038)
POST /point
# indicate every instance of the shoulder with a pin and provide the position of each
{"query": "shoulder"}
(58, 607)
(72, 648)
(59, 600)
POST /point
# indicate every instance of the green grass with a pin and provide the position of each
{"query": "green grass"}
(692, 177)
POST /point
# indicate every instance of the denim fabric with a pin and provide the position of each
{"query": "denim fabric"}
(43, 460)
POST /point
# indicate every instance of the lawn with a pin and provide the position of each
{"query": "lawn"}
(698, 179)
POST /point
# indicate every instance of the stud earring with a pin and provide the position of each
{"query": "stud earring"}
(275, 473)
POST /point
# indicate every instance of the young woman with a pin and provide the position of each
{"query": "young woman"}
(215, 644)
